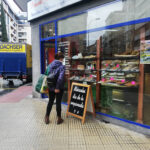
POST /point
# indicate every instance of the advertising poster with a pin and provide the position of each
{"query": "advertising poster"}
(145, 52)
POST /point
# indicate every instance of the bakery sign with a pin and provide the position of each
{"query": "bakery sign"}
(37, 8)
(80, 101)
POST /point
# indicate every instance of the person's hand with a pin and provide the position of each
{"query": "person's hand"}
(57, 90)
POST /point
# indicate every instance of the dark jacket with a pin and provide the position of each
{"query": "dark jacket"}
(59, 69)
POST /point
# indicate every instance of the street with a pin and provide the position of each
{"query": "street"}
(9, 86)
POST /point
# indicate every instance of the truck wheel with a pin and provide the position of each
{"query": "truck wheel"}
(11, 83)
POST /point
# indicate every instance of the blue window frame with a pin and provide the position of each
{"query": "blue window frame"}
(125, 23)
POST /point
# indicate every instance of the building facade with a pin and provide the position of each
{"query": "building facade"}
(13, 25)
(10, 21)
(106, 45)
(24, 29)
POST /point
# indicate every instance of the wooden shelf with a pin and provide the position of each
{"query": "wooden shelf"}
(82, 81)
(120, 71)
(120, 58)
(118, 86)
(83, 70)
(83, 59)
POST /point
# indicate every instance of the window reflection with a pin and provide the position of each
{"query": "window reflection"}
(105, 15)
(48, 30)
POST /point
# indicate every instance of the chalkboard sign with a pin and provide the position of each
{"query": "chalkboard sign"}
(78, 100)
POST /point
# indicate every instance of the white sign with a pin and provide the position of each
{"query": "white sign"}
(37, 8)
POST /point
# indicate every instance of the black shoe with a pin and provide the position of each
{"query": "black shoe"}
(60, 120)
(47, 120)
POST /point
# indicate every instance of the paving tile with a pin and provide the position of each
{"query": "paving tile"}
(108, 140)
(76, 140)
(77, 147)
(95, 147)
(106, 132)
(75, 132)
(89, 132)
(93, 140)
(130, 147)
(144, 146)
(140, 139)
(112, 147)
(125, 139)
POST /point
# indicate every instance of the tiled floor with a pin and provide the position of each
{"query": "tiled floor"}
(22, 128)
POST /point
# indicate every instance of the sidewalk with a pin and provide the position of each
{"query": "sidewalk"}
(22, 127)
(16, 95)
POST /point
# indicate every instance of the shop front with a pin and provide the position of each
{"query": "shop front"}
(106, 45)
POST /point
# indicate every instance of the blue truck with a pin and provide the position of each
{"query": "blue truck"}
(15, 61)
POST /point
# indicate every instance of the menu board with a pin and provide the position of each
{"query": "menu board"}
(80, 97)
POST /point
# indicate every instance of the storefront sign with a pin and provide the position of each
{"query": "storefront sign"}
(80, 97)
(145, 52)
(37, 8)
(12, 48)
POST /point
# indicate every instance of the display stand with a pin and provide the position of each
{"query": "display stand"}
(80, 101)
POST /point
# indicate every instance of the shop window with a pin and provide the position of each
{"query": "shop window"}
(119, 68)
(83, 60)
(48, 30)
(119, 71)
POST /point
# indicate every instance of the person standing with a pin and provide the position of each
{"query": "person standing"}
(56, 90)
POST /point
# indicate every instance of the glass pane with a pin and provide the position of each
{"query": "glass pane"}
(48, 30)
(75, 48)
(109, 14)
(120, 71)
(73, 24)
(146, 110)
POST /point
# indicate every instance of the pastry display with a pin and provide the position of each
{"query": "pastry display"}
(119, 73)
(128, 54)
(90, 56)
(80, 67)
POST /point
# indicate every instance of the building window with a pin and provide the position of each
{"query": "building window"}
(48, 30)
(22, 34)
(22, 41)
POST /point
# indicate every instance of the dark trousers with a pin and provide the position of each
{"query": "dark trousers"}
(52, 96)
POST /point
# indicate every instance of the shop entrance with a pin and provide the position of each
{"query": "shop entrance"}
(48, 53)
